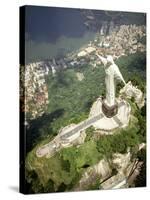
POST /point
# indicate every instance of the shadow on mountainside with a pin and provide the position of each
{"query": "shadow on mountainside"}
(40, 128)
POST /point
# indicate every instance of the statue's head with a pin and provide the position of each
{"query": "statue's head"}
(110, 59)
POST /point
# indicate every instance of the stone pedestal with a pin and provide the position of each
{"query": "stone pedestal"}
(112, 118)
(109, 111)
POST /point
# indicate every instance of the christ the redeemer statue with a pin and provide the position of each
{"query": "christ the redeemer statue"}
(112, 72)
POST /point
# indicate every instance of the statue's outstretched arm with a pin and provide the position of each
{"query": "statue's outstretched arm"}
(118, 74)
(103, 60)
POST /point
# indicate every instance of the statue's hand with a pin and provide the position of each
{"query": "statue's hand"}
(99, 53)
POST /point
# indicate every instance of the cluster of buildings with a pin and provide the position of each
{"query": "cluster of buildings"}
(127, 39)
(36, 91)
(121, 40)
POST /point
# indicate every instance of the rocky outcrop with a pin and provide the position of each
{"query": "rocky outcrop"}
(103, 170)
(121, 161)
(80, 76)
(130, 91)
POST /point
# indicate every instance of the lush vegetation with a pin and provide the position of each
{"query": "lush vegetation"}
(133, 67)
(69, 102)
(66, 167)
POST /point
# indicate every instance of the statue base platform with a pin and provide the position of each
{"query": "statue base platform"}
(109, 111)
(112, 117)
